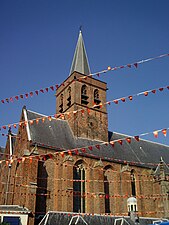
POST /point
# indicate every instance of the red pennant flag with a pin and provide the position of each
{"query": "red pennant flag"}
(31, 93)
(4, 127)
(7, 100)
(2, 101)
(137, 138)
(167, 87)
(161, 89)
(37, 121)
(46, 89)
(21, 96)
(136, 65)
(83, 150)
(128, 140)
(17, 97)
(11, 99)
(116, 101)
(56, 86)
(82, 111)
(52, 88)
(108, 103)
(26, 95)
(112, 143)
(130, 98)
(69, 152)
(120, 142)
(98, 74)
(62, 154)
(31, 122)
(85, 77)
(37, 92)
(155, 134)
(121, 67)
(164, 131)
(129, 65)
(98, 146)
(41, 90)
(88, 111)
(90, 148)
(146, 93)
(76, 151)
(153, 91)
(14, 125)
(123, 99)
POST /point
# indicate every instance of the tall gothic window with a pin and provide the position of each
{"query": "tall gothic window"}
(133, 183)
(69, 97)
(79, 187)
(84, 97)
(107, 188)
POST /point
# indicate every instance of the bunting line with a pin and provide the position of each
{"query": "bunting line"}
(55, 86)
(100, 105)
(83, 150)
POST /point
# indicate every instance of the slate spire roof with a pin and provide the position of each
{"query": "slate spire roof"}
(80, 61)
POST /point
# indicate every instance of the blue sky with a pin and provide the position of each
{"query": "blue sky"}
(37, 43)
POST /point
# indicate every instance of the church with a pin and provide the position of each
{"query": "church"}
(72, 163)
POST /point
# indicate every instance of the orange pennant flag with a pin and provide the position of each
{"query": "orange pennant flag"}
(155, 134)
(164, 131)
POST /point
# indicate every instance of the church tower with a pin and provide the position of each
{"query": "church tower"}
(81, 99)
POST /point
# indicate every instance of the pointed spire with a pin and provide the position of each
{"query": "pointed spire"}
(80, 61)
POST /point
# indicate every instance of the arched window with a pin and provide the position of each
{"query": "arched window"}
(69, 97)
(61, 104)
(96, 98)
(84, 97)
(133, 183)
(79, 187)
(107, 171)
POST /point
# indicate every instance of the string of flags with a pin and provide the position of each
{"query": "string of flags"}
(87, 150)
(56, 86)
(82, 111)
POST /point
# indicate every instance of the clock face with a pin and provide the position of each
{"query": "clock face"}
(92, 122)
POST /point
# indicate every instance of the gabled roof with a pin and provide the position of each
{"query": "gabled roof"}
(57, 134)
(80, 61)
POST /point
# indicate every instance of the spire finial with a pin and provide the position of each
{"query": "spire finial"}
(80, 28)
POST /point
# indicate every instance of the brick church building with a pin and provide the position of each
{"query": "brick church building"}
(72, 163)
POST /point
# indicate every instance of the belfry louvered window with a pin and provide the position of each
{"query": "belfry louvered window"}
(84, 97)
(69, 97)
(79, 187)
(61, 104)
(96, 98)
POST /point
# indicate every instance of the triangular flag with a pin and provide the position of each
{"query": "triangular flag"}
(164, 131)
(116, 101)
(16, 97)
(98, 146)
(136, 65)
(90, 148)
(129, 65)
(112, 143)
(2, 101)
(120, 142)
(123, 99)
(31, 93)
(56, 86)
(52, 88)
(26, 95)
(130, 98)
(137, 138)
(37, 92)
(153, 91)
(128, 140)
(161, 89)
(155, 134)
(21, 96)
(41, 90)
(146, 93)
